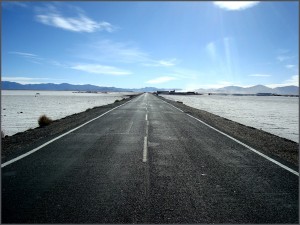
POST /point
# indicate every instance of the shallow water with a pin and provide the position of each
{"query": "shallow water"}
(275, 114)
(20, 110)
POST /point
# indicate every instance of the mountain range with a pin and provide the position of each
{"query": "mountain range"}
(287, 90)
(7, 85)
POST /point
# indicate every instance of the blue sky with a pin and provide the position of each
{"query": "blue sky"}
(186, 45)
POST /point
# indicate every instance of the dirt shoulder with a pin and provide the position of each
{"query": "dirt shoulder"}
(278, 148)
(12, 146)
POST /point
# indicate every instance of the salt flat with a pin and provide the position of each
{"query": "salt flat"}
(274, 114)
(20, 110)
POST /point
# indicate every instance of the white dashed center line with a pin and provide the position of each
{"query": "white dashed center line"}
(145, 150)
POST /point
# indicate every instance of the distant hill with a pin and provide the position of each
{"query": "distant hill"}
(7, 85)
(287, 90)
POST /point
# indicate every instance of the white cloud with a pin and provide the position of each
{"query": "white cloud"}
(259, 75)
(26, 80)
(235, 5)
(289, 66)
(9, 5)
(108, 51)
(170, 62)
(56, 63)
(79, 23)
(282, 58)
(29, 57)
(160, 80)
(163, 63)
(37, 59)
(23, 78)
(24, 54)
(100, 69)
(292, 81)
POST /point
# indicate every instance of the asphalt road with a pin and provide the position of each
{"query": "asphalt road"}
(147, 162)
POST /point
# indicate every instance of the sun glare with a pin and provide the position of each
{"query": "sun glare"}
(235, 5)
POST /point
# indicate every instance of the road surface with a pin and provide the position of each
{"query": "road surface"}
(147, 162)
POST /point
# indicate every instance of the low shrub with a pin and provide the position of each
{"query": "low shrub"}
(44, 121)
(117, 100)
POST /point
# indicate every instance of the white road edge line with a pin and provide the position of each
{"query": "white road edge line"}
(60, 136)
(243, 144)
(247, 146)
(146, 117)
(173, 106)
(145, 152)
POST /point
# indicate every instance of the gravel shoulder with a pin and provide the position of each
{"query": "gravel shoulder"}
(281, 149)
(20, 143)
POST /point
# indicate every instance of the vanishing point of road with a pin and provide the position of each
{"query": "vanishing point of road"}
(147, 162)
